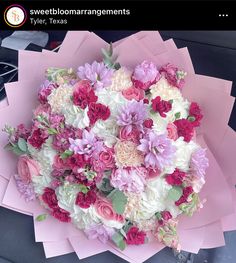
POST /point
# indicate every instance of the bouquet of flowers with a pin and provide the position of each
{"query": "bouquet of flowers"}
(113, 151)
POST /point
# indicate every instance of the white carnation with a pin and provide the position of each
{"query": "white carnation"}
(113, 99)
(167, 92)
(76, 116)
(106, 130)
(184, 151)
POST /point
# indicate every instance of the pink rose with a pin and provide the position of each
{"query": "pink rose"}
(133, 136)
(172, 131)
(104, 209)
(27, 168)
(59, 163)
(107, 159)
(133, 93)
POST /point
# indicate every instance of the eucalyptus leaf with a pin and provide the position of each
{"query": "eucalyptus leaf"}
(175, 193)
(16, 150)
(22, 144)
(52, 131)
(119, 201)
(41, 217)
(66, 154)
(123, 233)
(118, 239)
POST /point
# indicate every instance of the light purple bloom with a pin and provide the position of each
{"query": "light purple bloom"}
(199, 162)
(26, 190)
(97, 73)
(133, 113)
(102, 232)
(130, 180)
(88, 145)
(146, 72)
(158, 150)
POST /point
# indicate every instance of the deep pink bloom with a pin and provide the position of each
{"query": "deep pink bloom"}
(62, 215)
(195, 111)
(83, 94)
(49, 197)
(85, 200)
(45, 91)
(135, 237)
(38, 138)
(161, 106)
(133, 135)
(148, 123)
(98, 111)
(170, 71)
(166, 215)
(185, 129)
(187, 191)
(176, 178)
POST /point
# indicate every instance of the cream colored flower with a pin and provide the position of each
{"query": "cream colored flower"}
(121, 80)
(60, 98)
(127, 154)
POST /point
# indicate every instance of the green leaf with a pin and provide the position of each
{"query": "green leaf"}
(22, 144)
(177, 115)
(66, 154)
(118, 239)
(104, 52)
(123, 233)
(171, 101)
(41, 217)
(83, 189)
(175, 193)
(158, 215)
(119, 201)
(105, 186)
(52, 131)
(16, 150)
(191, 118)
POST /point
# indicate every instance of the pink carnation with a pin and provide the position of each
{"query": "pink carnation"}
(133, 136)
(133, 93)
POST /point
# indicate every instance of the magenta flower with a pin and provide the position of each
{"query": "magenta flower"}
(99, 231)
(88, 144)
(97, 73)
(199, 162)
(45, 90)
(158, 150)
(132, 114)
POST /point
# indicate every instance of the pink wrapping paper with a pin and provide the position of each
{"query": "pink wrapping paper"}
(159, 52)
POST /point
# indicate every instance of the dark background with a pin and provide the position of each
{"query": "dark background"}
(214, 54)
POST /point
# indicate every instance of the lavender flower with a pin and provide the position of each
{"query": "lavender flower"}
(102, 232)
(158, 150)
(130, 180)
(133, 113)
(26, 190)
(199, 162)
(88, 145)
(146, 72)
(97, 73)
